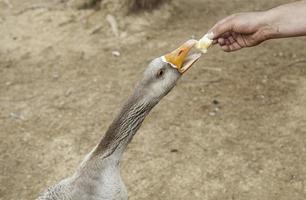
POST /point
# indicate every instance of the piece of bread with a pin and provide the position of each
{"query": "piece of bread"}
(205, 42)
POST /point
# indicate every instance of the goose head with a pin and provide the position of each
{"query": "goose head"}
(163, 72)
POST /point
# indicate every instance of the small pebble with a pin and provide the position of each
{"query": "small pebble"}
(216, 102)
(16, 115)
(68, 92)
(173, 150)
(212, 113)
(116, 53)
(55, 76)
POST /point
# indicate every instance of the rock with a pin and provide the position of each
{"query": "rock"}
(116, 53)
(216, 102)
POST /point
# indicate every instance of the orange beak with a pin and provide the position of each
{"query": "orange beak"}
(180, 59)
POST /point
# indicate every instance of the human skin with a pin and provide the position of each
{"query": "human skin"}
(249, 29)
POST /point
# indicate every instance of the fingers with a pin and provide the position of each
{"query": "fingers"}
(240, 30)
(226, 39)
(231, 47)
(230, 41)
(223, 26)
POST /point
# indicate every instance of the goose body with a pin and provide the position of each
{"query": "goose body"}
(98, 176)
(102, 183)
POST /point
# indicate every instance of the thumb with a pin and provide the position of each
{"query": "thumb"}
(223, 26)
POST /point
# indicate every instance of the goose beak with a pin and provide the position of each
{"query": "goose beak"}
(180, 58)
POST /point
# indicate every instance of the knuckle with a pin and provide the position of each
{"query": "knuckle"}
(239, 14)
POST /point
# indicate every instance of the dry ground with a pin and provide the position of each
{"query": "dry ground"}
(233, 128)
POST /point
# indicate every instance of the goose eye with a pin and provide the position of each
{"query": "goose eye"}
(160, 73)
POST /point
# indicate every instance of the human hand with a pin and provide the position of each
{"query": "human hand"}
(242, 30)
(249, 29)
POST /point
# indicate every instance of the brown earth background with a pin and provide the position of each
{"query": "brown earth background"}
(234, 128)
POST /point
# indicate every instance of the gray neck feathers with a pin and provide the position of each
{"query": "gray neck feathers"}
(123, 128)
(99, 170)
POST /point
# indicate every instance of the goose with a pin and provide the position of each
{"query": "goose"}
(98, 175)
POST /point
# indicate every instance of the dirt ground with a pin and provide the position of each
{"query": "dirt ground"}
(234, 128)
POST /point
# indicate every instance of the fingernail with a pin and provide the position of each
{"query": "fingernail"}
(210, 35)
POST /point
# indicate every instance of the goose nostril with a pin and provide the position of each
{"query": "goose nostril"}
(180, 52)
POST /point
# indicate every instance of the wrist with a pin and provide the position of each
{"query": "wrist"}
(269, 25)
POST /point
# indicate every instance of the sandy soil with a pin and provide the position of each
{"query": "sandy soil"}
(233, 128)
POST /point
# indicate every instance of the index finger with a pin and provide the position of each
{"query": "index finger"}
(222, 26)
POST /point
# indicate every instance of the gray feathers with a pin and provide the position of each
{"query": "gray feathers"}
(98, 176)
(123, 127)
